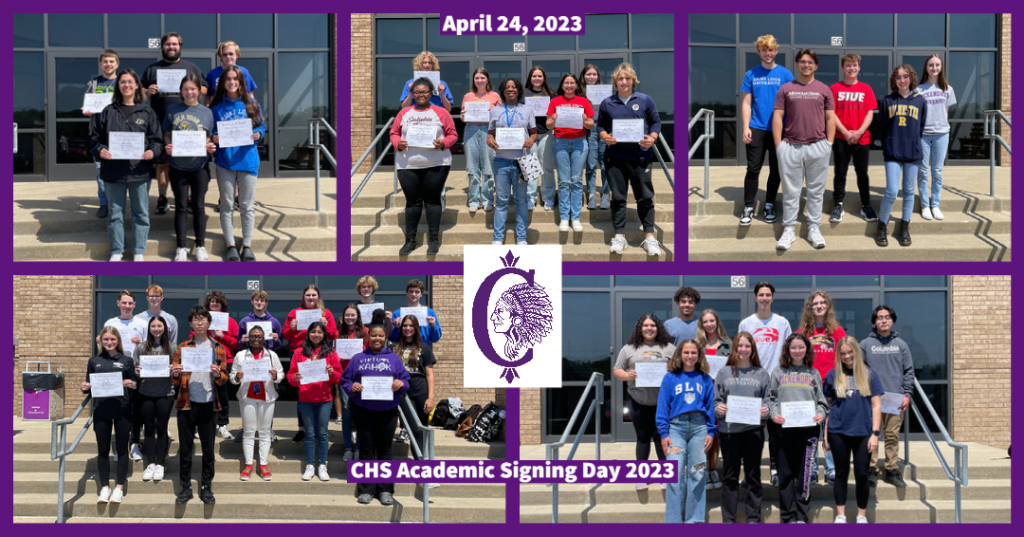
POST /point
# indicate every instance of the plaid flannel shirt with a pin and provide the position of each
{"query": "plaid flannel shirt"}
(221, 355)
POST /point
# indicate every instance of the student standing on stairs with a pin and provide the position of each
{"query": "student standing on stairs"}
(315, 397)
(155, 401)
(430, 333)
(904, 116)
(419, 361)
(511, 114)
(940, 96)
(106, 82)
(296, 334)
(257, 400)
(589, 76)
(570, 146)
(216, 301)
(855, 106)
(684, 326)
(537, 86)
(350, 326)
(474, 143)
(712, 337)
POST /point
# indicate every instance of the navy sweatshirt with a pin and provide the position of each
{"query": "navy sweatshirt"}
(903, 120)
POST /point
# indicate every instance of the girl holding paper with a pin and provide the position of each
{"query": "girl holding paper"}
(537, 86)
(156, 398)
(419, 361)
(257, 400)
(474, 142)
(375, 419)
(742, 443)
(237, 166)
(570, 149)
(189, 173)
(589, 76)
(796, 381)
(351, 327)
(296, 335)
(315, 397)
(711, 335)
(650, 342)
(512, 114)
(111, 414)
(126, 177)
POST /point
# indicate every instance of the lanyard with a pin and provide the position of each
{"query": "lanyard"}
(508, 122)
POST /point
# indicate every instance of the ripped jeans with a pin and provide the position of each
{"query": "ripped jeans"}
(685, 499)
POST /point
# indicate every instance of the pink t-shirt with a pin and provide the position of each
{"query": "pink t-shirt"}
(491, 97)
(416, 157)
(805, 106)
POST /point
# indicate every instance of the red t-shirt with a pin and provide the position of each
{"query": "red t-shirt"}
(853, 104)
(257, 390)
(825, 348)
(575, 102)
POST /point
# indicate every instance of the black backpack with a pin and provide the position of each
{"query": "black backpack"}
(441, 414)
(488, 424)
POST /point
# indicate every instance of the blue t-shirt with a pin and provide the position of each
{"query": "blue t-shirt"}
(850, 415)
(213, 76)
(434, 98)
(681, 330)
(762, 85)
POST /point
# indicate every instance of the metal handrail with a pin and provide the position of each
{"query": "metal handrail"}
(61, 427)
(959, 473)
(314, 140)
(664, 166)
(411, 425)
(551, 450)
(385, 130)
(990, 132)
(709, 134)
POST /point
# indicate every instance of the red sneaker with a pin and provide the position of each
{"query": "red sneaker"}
(267, 476)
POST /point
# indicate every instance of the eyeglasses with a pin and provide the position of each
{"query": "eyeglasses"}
(421, 93)
(255, 337)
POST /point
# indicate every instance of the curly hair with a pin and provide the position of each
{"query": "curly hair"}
(676, 365)
(807, 324)
(417, 62)
(910, 71)
(786, 360)
(637, 337)
(529, 309)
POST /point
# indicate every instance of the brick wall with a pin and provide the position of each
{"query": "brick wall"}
(981, 360)
(48, 330)
(362, 87)
(1005, 97)
(530, 425)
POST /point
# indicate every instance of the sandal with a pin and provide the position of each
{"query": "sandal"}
(267, 476)
(246, 473)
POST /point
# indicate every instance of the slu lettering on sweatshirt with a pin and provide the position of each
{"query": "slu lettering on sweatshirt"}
(686, 387)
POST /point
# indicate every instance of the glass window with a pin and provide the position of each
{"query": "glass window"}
(585, 281)
(392, 73)
(456, 76)
(561, 403)
(790, 308)
(973, 77)
(605, 32)
(437, 43)
(302, 88)
(231, 283)
(854, 315)
(31, 156)
(537, 43)
(647, 281)
(874, 71)
(754, 25)
(848, 281)
(73, 142)
(71, 76)
(967, 141)
(583, 351)
(287, 283)
(818, 28)
(248, 29)
(923, 326)
(498, 70)
(915, 281)
(828, 69)
(132, 30)
(921, 29)
(292, 153)
(302, 30)
(657, 73)
(197, 30)
(653, 30)
(179, 308)
(121, 282)
(782, 281)
(499, 43)
(723, 146)
(76, 30)
(337, 283)
(178, 282)
(399, 36)
(712, 27)
(972, 30)
(712, 80)
(28, 30)
(29, 90)
(707, 281)
(938, 396)
(869, 29)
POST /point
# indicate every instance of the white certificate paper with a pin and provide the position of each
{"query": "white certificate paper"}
(126, 145)
(219, 322)
(188, 143)
(539, 105)
(569, 117)
(746, 410)
(419, 312)
(256, 370)
(304, 318)
(313, 371)
(891, 403)
(96, 102)
(234, 133)
(347, 348)
(715, 364)
(798, 414)
(477, 111)
(106, 385)
(366, 311)
(628, 130)
(510, 138)
(377, 388)
(421, 136)
(598, 93)
(156, 366)
(196, 360)
(169, 80)
(649, 374)
(433, 76)
(267, 327)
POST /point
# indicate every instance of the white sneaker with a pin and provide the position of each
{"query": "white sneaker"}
(926, 213)
(522, 243)
(787, 239)
(181, 254)
(840, 519)
(349, 455)
(641, 486)
(135, 453)
(496, 243)
(937, 213)
(117, 496)
(605, 201)
(530, 206)
(148, 474)
(322, 473)
(197, 435)
(577, 226)
(138, 257)
(548, 206)
(564, 226)
(116, 257)
(201, 254)
(652, 246)
(717, 481)
(308, 474)
(618, 244)
(862, 519)
(223, 432)
(104, 496)
(592, 202)
(158, 473)
(473, 209)
(815, 238)
(433, 485)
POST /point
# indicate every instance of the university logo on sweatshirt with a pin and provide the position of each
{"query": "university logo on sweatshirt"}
(766, 335)
(903, 111)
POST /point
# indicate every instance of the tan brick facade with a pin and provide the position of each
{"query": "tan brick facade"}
(362, 72)
(1005, 78)
(530, 423)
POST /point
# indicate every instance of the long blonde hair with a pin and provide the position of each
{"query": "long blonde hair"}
(807, 320)
(861, 375)
(702, 336)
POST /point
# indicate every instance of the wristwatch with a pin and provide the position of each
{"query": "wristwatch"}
(876, 433)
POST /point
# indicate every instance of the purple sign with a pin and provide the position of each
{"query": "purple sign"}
(36, 405)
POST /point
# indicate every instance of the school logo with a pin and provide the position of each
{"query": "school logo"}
(766, 335)
(690, 397)
(514, 298)
(636, 107)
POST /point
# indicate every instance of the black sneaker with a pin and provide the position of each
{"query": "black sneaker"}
(837, 213)
(409, 246)
(868, 213)
(894, 478)
(299, 437)
(747, 217)
(247, 254)
(769, 213)
(184, 496)
(102, 212)
(161, 205)
(433, 244)
(233, 254)
(873, 476)
(206, 495)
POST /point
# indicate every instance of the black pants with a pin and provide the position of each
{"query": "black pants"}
(842, 447)
(120, 426)
(742, 448)
(418, 400)
(792, 460)
(643, 417)
(136, 418)
(198, 181)
(774, 442)
(200, 416)
(761, 142)
(621, 175)
(423, 186)
(225, 404)
(155, 412)
(844, 152)
(376, 431)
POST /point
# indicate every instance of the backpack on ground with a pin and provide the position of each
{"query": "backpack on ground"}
(487, 425)
(466, 420)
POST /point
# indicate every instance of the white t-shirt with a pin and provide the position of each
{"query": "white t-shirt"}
(128, 328)
(769, 336)
(200, 386)
(415, 157)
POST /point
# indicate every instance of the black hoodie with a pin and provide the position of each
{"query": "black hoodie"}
(112, 119)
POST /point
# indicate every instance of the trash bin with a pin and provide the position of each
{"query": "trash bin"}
(43, 397)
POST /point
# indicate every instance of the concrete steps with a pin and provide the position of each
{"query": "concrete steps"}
(375, 216)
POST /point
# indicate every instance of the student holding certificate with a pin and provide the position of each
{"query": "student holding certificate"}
(271, 338)
(570, 148)
(711, 335)
(376, 417)
(538, 89)
(742, 441)
(256, 399)
(296, 334)
(430, 332)
(104, 84)
(796, 385)
(649, 343)
(419, 362)
(855, 394)
(589, 76)
(515, 121)
(216, 301)
(315, 397)
(474, 140)
(426, 61)
(349, 327)
(127, 167)
(367, 287)
(111, 414)
(237, 165)
(628, 164)
(153, 400)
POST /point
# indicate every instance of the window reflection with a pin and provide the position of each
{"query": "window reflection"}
(922, 316)
(653, 30)
(198, 30)
(132, 31)
(302, 30)
(29, 90)
(754, 25)
(712, 80)
(973, 76)
(76, 29)
(302, 88)
(399, 36)
(712, 27)
(248, 29)
(921, 29)
(972, 30)
(583, 352)
(28, 30)
(605, 32)
(869, 29)
(499, 43)
(31, 156)
(656, 71)
(539, 43)
(818, 28)
(73, 142)
(71, 77)
(438, 43)
(723, 146)
(967, 140)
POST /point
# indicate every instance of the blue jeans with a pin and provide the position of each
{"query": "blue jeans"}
(687, 433)
(315, 417)
(892, 188)
(117, 195)
(830, 463)
(478, 164)
(543, 151)
(346, 419)
(506, 180)
(570, 156)
(595, 161)
(934, 148)
(101, 190)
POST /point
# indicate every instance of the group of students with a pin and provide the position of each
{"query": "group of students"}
(198, 103)
(795, 121)
(394, 345)
(498, 176)
(687, 417)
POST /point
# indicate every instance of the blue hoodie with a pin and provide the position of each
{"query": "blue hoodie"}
(903, 120)
(245, 158)
(384, 363)
(685, 392)
(429, 334)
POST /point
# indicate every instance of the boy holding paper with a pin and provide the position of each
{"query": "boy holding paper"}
(430, 331)
(105, 83)
(216, 302)
(271, 338)
(367, 287)
(131, 329)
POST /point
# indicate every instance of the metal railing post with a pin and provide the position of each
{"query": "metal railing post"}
(991, 155)
(906, 435)
(551, 450)
(316, 163)
(708, 126)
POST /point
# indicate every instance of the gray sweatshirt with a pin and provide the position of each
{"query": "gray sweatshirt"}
(748, 382)
(890, 358)
(796, 383)
(153, 387)
(627, 360)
